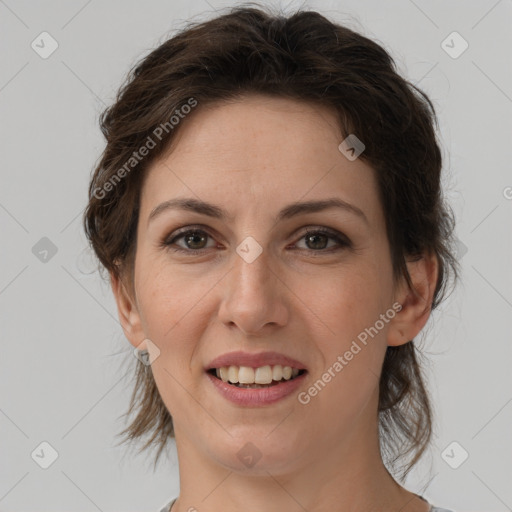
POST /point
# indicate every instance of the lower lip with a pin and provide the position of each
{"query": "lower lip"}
(256, 397)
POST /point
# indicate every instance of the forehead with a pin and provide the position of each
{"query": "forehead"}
(241, 128)
(259, 150)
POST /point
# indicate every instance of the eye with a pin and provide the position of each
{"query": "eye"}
(194, 240)
(317, 240)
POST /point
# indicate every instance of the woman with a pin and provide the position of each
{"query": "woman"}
(268, 207)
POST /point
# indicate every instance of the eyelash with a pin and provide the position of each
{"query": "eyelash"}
(341, 239)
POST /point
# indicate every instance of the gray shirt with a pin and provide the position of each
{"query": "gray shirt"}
(167, 507)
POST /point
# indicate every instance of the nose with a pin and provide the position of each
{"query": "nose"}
(255, 297)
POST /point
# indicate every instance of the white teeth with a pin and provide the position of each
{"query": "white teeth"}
(233, 374)
(262, 375)
(246, 375)
(277, 372)
(224, 374)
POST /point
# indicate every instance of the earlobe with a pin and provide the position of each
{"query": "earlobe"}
(416, 303)
(128, 312)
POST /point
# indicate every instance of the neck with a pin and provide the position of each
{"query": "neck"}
(348, 476)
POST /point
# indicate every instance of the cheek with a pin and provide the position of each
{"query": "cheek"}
(173, 316)
(352, 352)
(175, 310)
(352, 306)
(167, 300)
(347, 300)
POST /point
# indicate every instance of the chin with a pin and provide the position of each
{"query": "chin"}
(259, 452)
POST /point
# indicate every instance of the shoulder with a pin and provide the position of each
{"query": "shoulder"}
(432, 507)
(167, 508)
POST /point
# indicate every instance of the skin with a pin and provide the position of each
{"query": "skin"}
(253, 157)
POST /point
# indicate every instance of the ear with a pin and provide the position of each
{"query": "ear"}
(416, 304)
(128, 313)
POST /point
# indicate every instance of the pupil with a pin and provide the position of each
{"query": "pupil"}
(191, 238)
(316, 236)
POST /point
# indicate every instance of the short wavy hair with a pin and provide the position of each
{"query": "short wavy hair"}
(303, 56)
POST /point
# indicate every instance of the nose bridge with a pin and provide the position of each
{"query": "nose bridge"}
(251, 268)
(254, 295)
(251, 274)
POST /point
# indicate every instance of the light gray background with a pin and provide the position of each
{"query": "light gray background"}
(63, 349)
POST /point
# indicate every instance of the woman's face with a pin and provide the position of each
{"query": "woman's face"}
(250, 280)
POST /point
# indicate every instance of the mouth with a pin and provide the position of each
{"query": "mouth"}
(253, 378)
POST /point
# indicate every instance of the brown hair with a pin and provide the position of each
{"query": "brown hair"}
(304, 57)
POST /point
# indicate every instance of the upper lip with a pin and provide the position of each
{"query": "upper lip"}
(240, 358)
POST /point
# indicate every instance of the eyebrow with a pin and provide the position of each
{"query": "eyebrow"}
(292, 210)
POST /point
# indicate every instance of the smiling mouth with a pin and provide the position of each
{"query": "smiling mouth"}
(253, 378)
